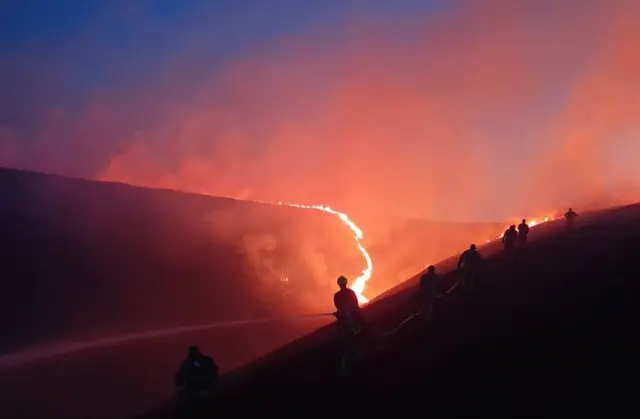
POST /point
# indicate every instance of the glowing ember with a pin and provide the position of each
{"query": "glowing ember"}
(360, 282)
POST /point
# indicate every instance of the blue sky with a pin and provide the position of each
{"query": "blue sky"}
(148, 32)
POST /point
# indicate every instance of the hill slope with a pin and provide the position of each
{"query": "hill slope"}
(81, 260)
(559, 323)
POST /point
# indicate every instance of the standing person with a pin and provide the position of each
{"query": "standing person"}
(349, 321)
(523, 232)
(430, 291)
(510, 240)
(197, 373)
(196, 379)
(470, 263)
(570, 217)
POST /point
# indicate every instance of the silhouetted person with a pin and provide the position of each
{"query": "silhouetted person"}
(198, 373)
(510, 240)
(570, 216)
(523, 232)
(430, 290)
(196, 379)
(346, 303)
(470, 263)
(349, 321)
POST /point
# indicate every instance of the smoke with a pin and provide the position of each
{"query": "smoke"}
(297, 258)
(482, 110)
(593, 143)
(273, 264)
(316, 262)
(258, 250)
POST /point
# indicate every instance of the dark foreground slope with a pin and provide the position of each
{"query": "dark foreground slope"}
(559, 324)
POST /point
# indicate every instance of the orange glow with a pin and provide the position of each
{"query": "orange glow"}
(532, 223)
(360, 282)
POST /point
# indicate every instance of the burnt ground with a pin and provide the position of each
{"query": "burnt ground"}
(556, 328)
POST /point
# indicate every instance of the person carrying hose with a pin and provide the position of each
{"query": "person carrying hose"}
(349, 321)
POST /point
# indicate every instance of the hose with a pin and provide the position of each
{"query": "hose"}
(64, 348)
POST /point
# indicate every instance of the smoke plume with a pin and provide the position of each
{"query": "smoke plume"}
(481, 110)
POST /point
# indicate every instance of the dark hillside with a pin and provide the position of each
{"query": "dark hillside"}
(81, 259)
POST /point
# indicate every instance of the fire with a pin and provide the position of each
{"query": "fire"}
(532, 223)
(360, 282)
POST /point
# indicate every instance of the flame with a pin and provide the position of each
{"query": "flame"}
(360, 282)
(532, 223)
